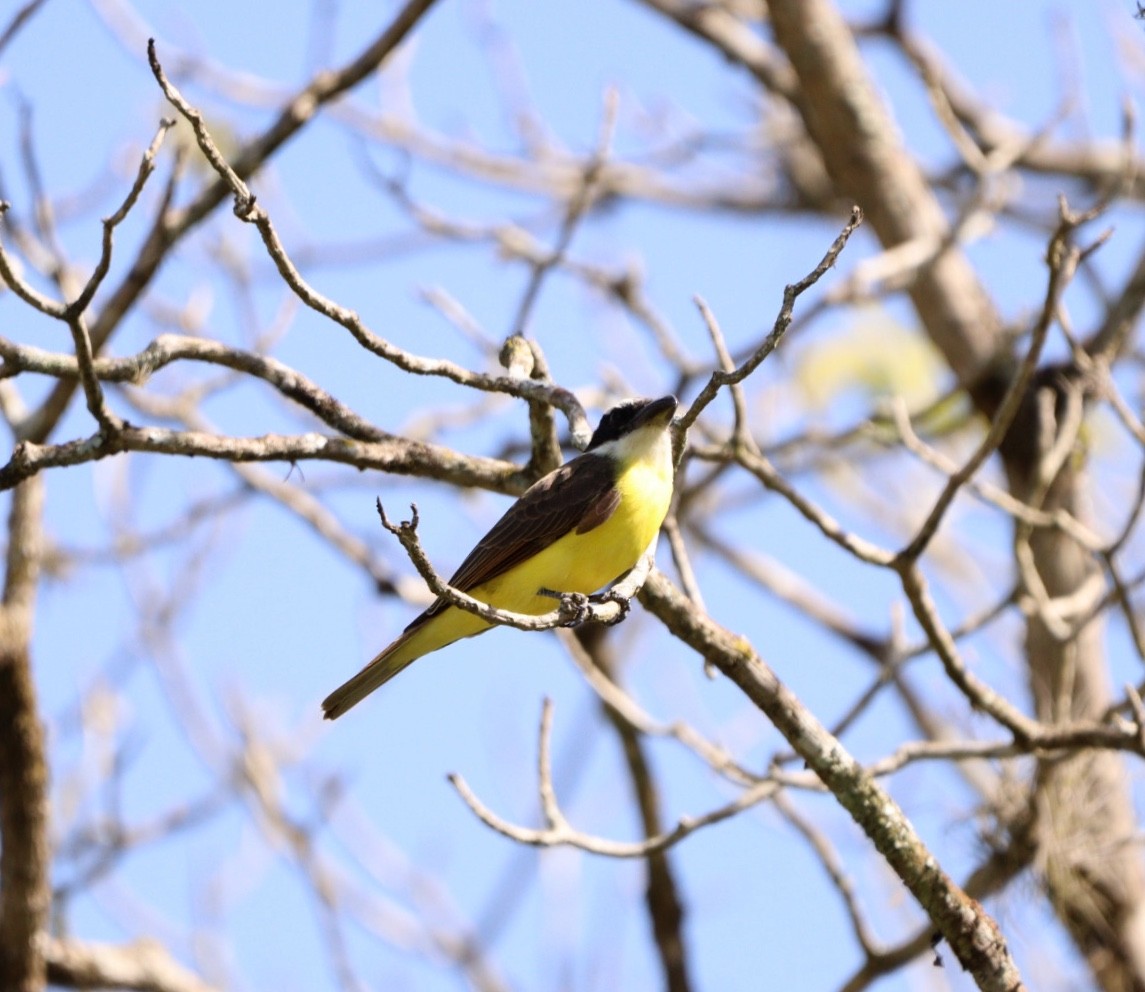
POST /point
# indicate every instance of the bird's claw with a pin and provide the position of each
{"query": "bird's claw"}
(623, 603)
(574, 609)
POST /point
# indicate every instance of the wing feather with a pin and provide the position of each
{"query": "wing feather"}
(580, 495)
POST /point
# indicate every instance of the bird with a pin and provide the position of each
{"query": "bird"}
(575, 530)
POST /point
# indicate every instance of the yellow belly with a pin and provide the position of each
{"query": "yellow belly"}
(587, 562)
(576, 562)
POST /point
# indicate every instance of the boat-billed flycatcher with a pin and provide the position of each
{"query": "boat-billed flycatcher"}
(576, 530)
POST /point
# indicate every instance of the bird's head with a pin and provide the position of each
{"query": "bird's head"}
(630, 416)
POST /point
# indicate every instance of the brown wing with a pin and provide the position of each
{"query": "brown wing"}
(578, 495)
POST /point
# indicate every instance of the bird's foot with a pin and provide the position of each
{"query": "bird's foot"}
(573, 606)
(624, 604)
(574, 609)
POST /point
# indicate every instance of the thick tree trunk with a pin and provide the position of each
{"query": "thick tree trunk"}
(1088, 855)
(1092, 869)
(24, 893)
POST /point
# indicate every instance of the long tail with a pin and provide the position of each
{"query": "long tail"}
(446, 627)
(377, 673)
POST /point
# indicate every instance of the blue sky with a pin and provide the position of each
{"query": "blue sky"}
(268, 613)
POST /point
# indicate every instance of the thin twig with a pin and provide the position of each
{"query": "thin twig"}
(791, 293)
(248, 210)
(1063, 261)
(572, 608)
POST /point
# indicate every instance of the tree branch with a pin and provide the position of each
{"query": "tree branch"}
(971, 932)
(24, 853)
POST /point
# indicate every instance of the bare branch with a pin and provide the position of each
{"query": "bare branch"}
(395, 455)
(24, 853)
(834, 867)
(19, 19)
(248, 210)
(986, 490)
(971, 933)
(791, 293)
(170, 225)
(1063, 259)
(146, 167)
(718, 758)
(141, 966)
(573, 608)
(559, 833)
(167, 349)
(579, 204)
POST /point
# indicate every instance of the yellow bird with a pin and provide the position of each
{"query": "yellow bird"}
(576, 530)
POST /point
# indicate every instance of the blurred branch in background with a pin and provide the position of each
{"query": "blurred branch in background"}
(901, 575)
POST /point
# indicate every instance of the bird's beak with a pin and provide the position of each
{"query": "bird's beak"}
(656, 412)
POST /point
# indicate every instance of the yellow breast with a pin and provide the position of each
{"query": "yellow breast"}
(587, 562)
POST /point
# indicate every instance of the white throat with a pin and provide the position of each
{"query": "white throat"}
(651, 445)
